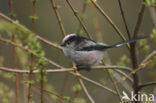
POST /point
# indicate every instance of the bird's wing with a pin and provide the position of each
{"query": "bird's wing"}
(84, 44)
(94, 46)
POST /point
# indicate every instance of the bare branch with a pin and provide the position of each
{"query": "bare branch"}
(79, 19)
(21, 26)
(153, 15)
(58, 69)
(115, 86)
(85, 90)
(58, 17)
(135, 70)
(149, 57)
(139, 21)
(147, 84)
(124, 19)
(109, 20)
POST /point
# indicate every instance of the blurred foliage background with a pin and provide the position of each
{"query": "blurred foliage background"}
(47, 27)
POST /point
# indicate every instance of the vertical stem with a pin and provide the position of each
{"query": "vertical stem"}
(134, 58)
(12, 16)
(124, 19)
(42, 85)
(32, 57)
(63, 87)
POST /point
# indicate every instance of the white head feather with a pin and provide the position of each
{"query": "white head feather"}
(66, 37)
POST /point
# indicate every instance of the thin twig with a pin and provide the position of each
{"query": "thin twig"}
(139, 20)
(84, 8)
(153, 15)
(134, 71)
(85, 90)
(154, 5)
(55, 71)
(52, 70)
(31, 55)
(21, 26)
(58, 17)
(79, 19)
(115, 86)
(82, 84)
(128, 69)
(35, 71)
(147, 84)
(51, 93)
(48, 42)
(134, 59)
(124, 74)
(113, 82)
(55, 8)
(65, 79)
(124, 19)
(12, 16)
(109, 20)
(28, 50)
(150, 56)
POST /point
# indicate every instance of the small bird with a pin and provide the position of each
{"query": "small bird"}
(85, 52)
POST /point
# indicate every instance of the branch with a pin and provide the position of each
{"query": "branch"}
(58, 71)
(139, 21)
(115, 86)
(28, 50)
(58, 17)
(147, 84)
(48, 42)
(12, 16)
(85, 90)
(149, 57)
(124, 74)
(134, 71)
(34, 71)
(124, 19)
(109, 20)
(29, 94)
(21, 26)
(153, 15)
(134, 59)
(51, 93)
(79, 19)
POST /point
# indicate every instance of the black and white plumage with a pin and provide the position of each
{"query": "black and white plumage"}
(86, 52)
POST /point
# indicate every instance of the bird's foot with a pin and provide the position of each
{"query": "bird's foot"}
(80, 67)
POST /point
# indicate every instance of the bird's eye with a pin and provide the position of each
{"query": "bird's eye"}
(68, 42)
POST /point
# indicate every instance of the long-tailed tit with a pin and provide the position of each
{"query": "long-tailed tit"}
(85, 52)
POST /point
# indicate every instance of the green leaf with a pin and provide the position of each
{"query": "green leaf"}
(76, 88)
(33, 17)
(66, 98)
(149, 2)
(153, 34)
(79, 100)
(87, 1)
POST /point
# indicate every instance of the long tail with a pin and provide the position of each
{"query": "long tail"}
(128, 41)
